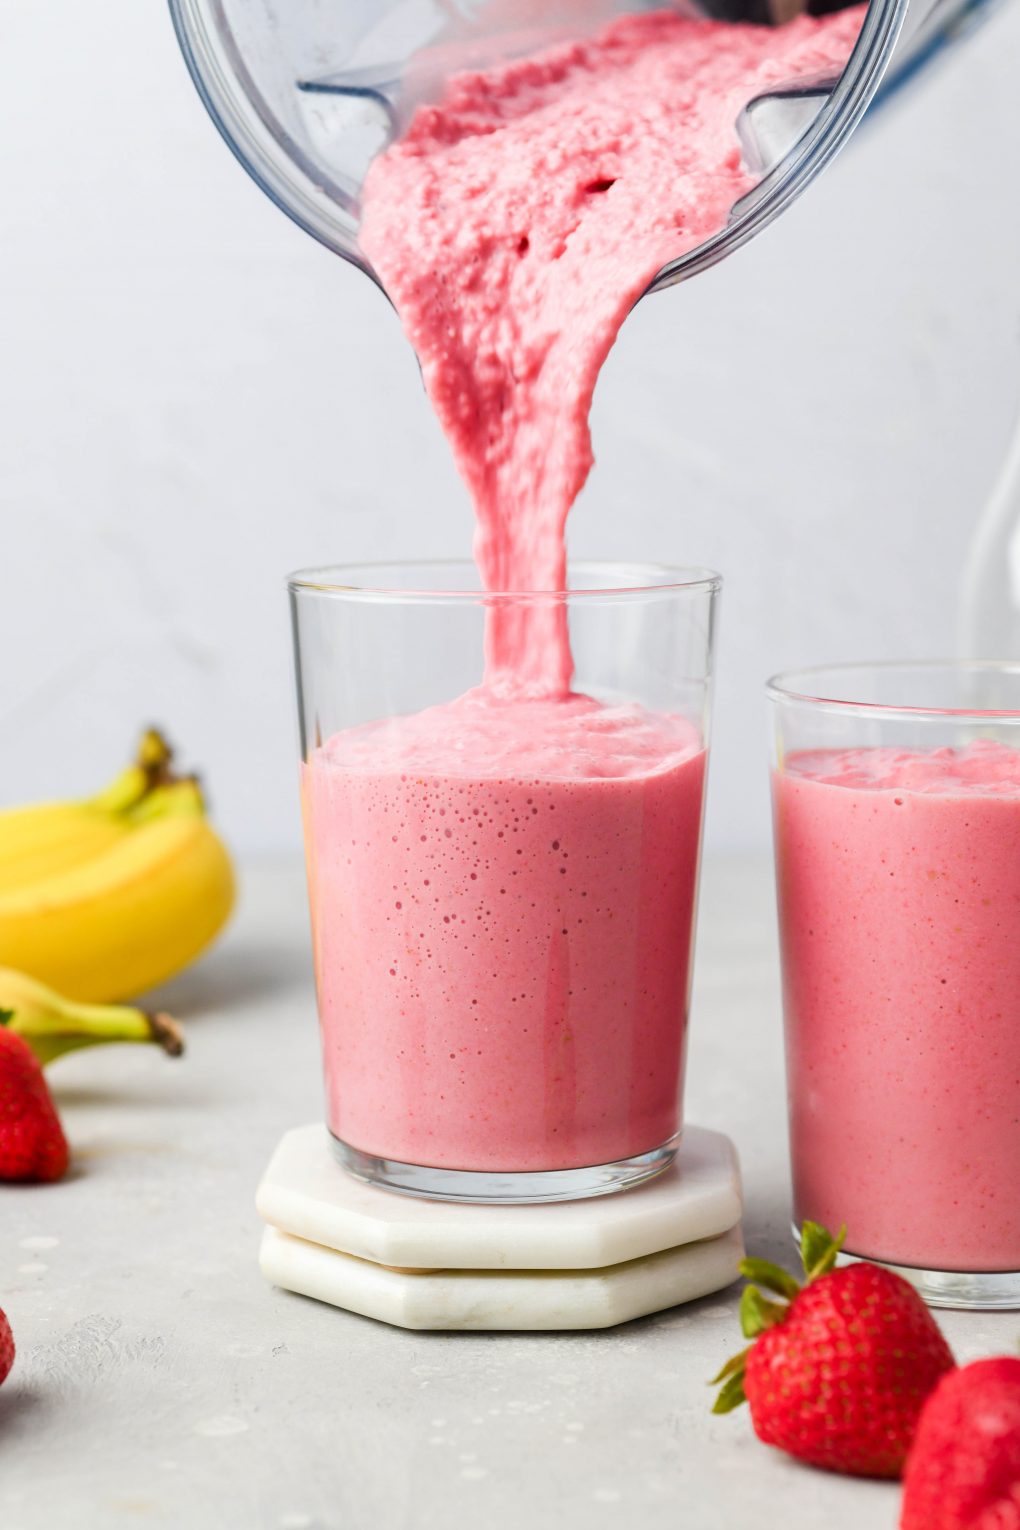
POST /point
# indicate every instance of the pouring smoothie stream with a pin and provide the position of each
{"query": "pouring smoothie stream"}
(516, 224)
(503, 886)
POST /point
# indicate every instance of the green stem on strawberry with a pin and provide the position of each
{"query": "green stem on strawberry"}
(758, 1312)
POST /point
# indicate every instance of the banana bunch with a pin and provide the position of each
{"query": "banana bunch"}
(106, 897)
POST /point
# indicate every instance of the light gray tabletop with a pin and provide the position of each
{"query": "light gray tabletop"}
(160, 1382)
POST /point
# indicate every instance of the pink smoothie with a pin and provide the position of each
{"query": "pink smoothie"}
(899, 897)
(503, 900)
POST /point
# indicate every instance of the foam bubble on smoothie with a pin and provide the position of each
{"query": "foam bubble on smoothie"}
(985, 768)
(575, 738)
(516, 223)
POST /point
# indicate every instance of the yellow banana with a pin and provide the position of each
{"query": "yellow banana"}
(43, 842)
(53, 1025)
(130, 910)
(178, 796)
(46, 838)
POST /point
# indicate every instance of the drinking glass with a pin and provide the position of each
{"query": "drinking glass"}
(502, 891)
(896, 792)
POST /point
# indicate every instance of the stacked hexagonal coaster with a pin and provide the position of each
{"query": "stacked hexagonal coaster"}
(570, 1264)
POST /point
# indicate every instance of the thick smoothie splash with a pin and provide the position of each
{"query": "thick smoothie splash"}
(514, 226)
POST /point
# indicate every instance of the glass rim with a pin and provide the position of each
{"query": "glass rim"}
(375, 580)
(805, 687)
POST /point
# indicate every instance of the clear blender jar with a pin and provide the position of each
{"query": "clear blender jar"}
(307, 92)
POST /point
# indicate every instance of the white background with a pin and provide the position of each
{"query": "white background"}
(195, 398)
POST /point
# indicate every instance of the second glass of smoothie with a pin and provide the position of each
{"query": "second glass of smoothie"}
(896, 794)
(503, 886)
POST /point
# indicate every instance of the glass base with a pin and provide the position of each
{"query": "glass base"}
(969, 1290)
(492, 1188)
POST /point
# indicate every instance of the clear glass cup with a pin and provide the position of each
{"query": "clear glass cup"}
(896, 794)
(502, 893)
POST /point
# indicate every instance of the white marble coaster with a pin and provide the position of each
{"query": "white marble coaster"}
(305, 1192)
(494, 1299)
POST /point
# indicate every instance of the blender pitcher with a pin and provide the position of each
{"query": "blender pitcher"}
(307, 92)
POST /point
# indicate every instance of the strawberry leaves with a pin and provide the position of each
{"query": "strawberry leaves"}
(771, 1277)
(732, 1394)
(819, 1250)
(732, 1379)
(758, 1312)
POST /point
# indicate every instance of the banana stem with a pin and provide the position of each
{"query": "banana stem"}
(150, 768)
(166, 1033)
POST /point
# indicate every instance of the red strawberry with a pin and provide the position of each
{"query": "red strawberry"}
(963, 1471)
(839, 1370)
(6, 1347)
(32, 1141)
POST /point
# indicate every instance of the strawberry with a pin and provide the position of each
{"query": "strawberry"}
(6, 1347)
(32, 1141)
(839, 1368)
(963, 1471)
